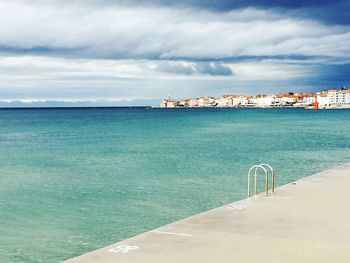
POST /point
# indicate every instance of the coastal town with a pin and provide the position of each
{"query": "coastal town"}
(328, 99)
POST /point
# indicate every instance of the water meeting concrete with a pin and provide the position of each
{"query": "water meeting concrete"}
(304, 221)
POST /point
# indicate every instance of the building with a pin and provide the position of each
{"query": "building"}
(263, 101)
(338, 97)
(334, 98)
(224, 101)
(171, 104)
(163, 104)
(325, 99)
(322, 99)
(309, 99)
(168, 103)
(206, 102)
(286, 99)
(241, 101)
(184, 103)
(193, 103)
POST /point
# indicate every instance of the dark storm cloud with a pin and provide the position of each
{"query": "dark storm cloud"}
(331, 11)
(334, 12)
(213, 69)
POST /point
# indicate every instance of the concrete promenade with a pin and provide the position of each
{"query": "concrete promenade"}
(304, 221)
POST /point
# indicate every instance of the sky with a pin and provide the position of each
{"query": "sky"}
(133, 50)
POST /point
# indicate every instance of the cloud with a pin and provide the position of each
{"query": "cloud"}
(32, 68)
(128, 32)
(44, 68)
(193, 68)
(48, 78)
(93, 50)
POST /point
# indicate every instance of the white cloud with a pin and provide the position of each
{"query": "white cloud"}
(74, 50)
(53, 68)
(161, 32)
(64, 78)
(272, 70)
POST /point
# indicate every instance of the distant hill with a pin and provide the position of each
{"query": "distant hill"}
(57, 103)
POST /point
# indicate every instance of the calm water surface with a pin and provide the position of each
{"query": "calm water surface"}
(74, 180)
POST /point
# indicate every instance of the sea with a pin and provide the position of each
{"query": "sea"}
(75, 180)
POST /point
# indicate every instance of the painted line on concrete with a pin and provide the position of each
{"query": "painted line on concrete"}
(237, 206)
(172, 233)
(123, 249)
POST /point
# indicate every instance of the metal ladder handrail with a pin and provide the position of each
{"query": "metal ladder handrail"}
(262, 166)
(255, 179)
(272, 176)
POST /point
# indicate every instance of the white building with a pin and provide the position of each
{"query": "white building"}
(184, 103)
(264, 100)
(309, 99)
(322, 99)
(163, 104)
(193, 103)
(171, 104)
(241, 100)
(212, 102)
(289, 99)
(224, 102)
(338, 97)
(203, 102)
(344, 97)
(206, 102)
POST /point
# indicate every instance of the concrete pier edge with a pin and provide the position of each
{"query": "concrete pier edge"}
(311, 215)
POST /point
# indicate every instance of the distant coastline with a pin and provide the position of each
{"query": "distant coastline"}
(74, 107)
(57, 103)
(328, 99)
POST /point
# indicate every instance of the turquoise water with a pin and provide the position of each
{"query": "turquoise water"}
(74, 180)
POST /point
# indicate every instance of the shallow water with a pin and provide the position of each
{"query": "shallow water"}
(74, 180)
